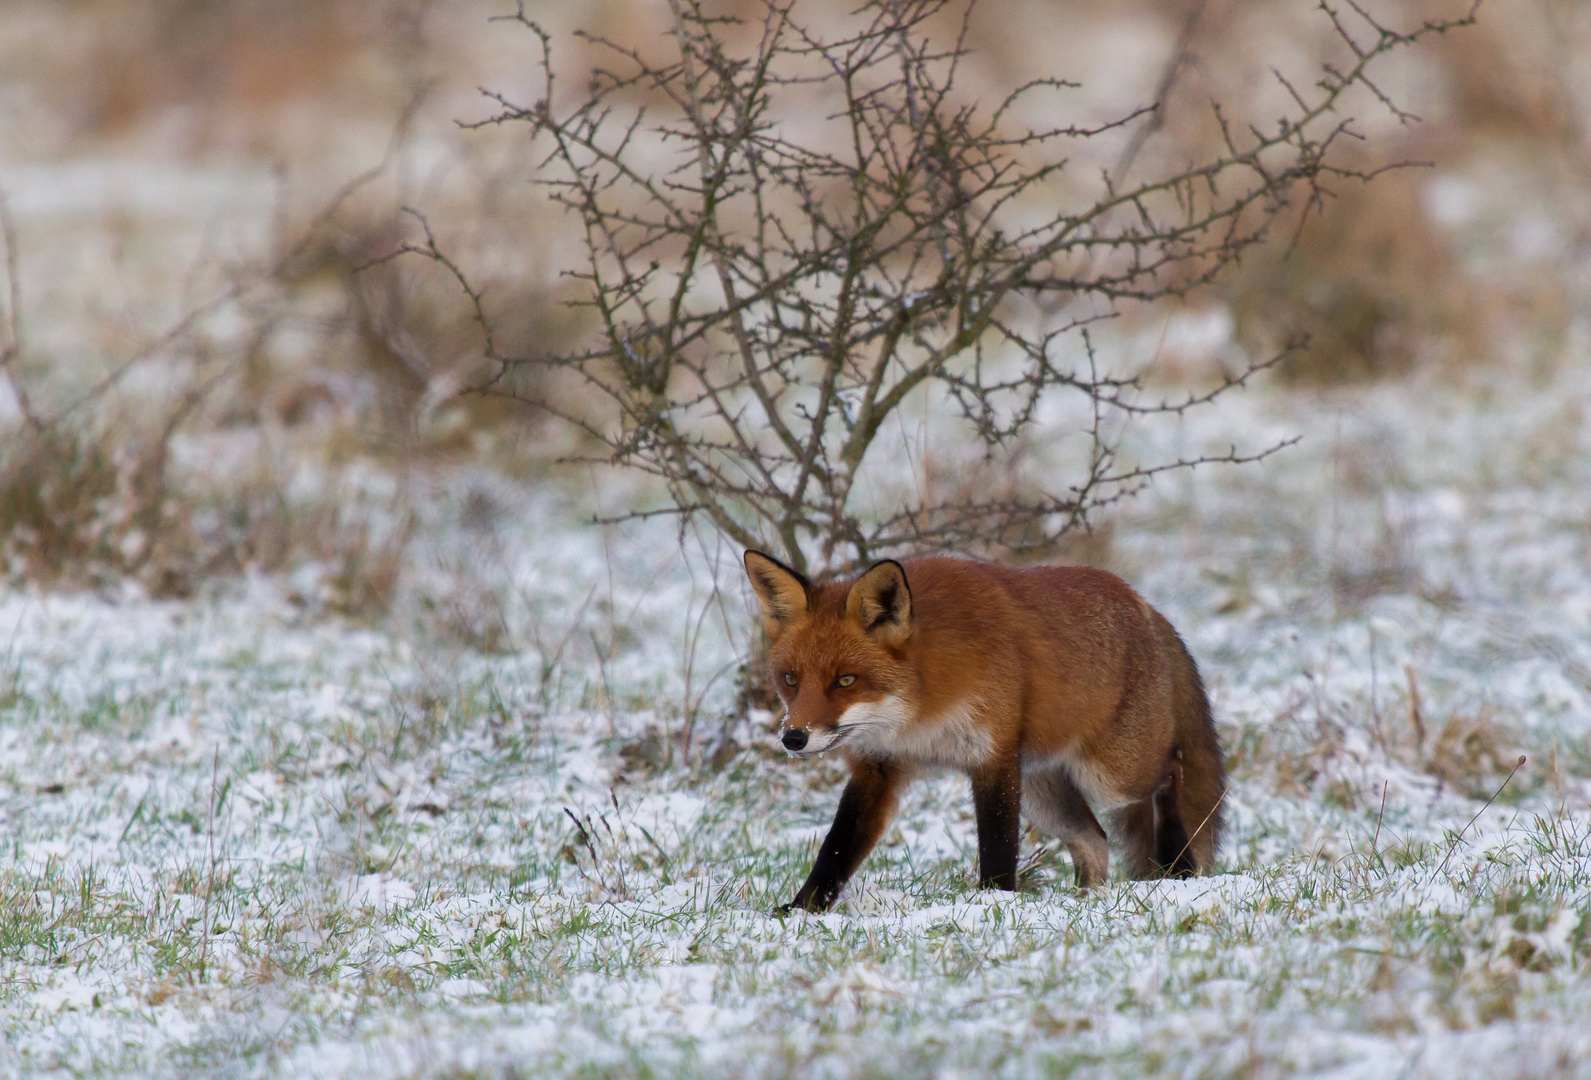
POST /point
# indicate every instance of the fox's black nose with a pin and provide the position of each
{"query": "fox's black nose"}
(793, 739)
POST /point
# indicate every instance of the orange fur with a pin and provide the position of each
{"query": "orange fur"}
(1062, 680)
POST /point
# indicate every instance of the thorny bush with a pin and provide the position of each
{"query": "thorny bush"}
(787, 233)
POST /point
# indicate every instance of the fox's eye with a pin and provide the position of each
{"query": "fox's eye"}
(789, 678)
(845, 680)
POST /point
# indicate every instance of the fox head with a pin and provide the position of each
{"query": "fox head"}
(836, 653)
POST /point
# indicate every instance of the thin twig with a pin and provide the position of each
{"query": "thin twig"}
(1213, 811)
(1451, 847)
(1181, 57)
(1374, 840)
(209, 882)
(12, 352)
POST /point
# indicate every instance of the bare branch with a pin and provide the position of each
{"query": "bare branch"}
(789, 234)
(14, 338)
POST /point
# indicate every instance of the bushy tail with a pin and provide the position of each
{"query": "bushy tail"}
(1188, 811)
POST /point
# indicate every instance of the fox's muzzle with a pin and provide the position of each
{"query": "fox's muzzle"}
(810, 743)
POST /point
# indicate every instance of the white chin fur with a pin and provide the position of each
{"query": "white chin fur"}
(873, 725)
(954, 739)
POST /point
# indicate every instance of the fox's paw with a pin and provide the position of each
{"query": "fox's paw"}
(784, 910)
(816, 905)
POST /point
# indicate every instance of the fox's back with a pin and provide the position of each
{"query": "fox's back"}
(1057, 643)
(1078, 611)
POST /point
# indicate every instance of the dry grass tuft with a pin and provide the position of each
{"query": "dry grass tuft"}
(349, 553)
(81, 508)
(1368, 282)
(92, 506)
(139, 60)
(394, 349)
(1316, 749)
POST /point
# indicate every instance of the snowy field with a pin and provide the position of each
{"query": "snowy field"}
(246, 838)
(523, 825)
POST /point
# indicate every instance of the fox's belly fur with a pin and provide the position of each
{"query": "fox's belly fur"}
(955, 739)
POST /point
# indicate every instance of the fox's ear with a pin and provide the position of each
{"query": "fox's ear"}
(881, 603)
(783, 592)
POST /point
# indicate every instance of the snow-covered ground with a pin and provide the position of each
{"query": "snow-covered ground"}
(524, 826)
(246, 838)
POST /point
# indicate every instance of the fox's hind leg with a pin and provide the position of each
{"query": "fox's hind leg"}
(1053, 803)
(1173, 850)
(1132, 827)
(1151, 832)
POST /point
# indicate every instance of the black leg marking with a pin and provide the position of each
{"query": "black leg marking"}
(997, 803)
(865, 809)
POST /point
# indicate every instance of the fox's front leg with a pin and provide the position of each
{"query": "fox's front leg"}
(997, 804)
(865, 809)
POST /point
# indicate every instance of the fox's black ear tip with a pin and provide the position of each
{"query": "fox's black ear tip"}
(757, 564)
(888, 565)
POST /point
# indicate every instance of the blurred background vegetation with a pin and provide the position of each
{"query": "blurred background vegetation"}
(207, 377)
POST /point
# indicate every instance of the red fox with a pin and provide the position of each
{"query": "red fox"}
(1057, 689)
